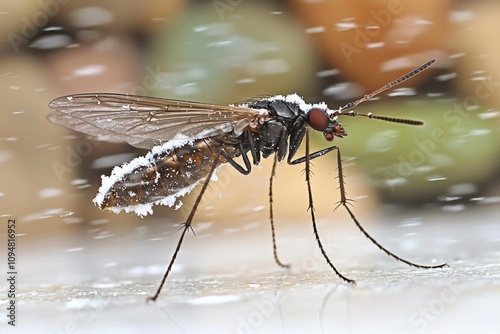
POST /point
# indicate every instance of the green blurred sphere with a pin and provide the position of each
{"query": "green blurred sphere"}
(454, 153)
(232, 53)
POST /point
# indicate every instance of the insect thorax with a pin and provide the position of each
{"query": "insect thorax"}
(283, 115)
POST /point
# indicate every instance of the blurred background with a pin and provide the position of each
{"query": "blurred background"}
(222, 52)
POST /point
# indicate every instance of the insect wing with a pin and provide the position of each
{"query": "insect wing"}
(146, 121)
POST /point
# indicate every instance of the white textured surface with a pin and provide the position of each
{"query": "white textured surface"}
(226, 281)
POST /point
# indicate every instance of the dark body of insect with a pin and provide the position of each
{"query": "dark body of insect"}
(186, 165)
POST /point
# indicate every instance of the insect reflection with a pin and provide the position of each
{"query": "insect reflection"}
(189, 141)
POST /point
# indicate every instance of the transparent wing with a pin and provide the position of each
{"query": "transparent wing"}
(146, 121)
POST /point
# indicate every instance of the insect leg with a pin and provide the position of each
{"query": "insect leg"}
(271, 215)
(254, 149)
(311, 209)
(299, 136)
(236, 165)
(344, 201)
(311, 156)
(187, 225)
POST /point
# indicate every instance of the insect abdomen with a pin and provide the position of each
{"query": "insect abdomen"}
(168, 174)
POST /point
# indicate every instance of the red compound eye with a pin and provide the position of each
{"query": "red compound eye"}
(318, 120)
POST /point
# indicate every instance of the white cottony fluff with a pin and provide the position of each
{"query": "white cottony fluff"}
(120, 172)
(304, 106)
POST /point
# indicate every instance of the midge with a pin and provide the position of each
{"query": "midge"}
(189, 141)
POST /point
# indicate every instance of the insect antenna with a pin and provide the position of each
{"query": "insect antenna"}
(354, 104)
(385, 118)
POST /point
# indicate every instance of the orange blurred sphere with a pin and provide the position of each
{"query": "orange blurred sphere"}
(373, 42)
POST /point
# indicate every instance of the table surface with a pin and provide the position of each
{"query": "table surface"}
(225, 281)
